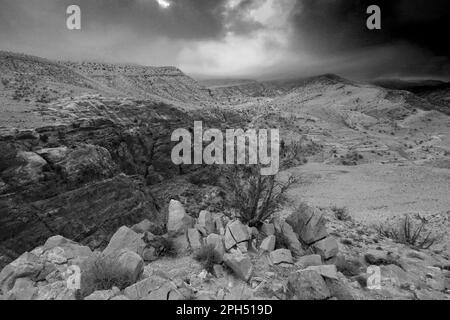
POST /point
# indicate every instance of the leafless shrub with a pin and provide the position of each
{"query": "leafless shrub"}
(341, 213)
(103, 274)
(253, 195)
(408, 232)
(208, 256)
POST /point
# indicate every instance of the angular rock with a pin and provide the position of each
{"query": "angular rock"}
(235, 232)
(206, 220)
(30, 170)
(24, 289)
(268, 244)
(53, 155)
(103, 294)
(66, 249)
(130, 262)
(327, 248)
(281, 256)
(178, 221)
(194, 238)
(145, 226)
(125, 238)
(307, 285)
(143, 288)
(79, 164)
(26, 266)
(285, 230)
(268, 229)
(240, 264)
(309, 260)
(326, 271)
(308, 223)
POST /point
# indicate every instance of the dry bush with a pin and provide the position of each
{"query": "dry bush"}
(103, 274)
(208, 257)
(254, 196)
(410, 233)
(341, 213)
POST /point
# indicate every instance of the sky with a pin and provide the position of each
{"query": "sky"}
(259, 39)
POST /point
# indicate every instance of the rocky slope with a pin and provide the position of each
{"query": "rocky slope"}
(85, 155)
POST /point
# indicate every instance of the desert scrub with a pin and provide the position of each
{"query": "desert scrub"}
(103, 274)
(208, 256)
(164, 247)
(409, 232)
(341, 213)
(254, 196)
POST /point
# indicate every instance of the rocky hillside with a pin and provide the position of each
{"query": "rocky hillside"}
(86, 180)
(168, 83)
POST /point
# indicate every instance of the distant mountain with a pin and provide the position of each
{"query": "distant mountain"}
(434, 91)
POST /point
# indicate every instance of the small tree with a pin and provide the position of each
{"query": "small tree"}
(254, 196)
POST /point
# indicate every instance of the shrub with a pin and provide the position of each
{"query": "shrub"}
(341, 213)
(410, 233)
(208, 257)
(103, 274)
(253, 195)
(163, 246)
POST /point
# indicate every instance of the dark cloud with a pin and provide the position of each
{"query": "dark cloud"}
(310, 36)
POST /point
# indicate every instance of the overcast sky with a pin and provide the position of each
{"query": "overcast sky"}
(240, 38)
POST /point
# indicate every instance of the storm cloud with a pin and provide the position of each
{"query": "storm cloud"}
(239, 38)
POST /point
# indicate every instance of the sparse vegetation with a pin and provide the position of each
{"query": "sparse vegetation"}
(208, 257)
(409, 232)
(281, 241)
(103, 274)
(253, 195)
(341, 213)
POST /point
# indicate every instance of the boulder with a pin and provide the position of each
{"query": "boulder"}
(206, 220)
(24, 289)
(27, 265)
(146, 226)
(327, 248)
(267, 229)
(130, 262)
(309, 260)
(125, 238)
(285, 230)
(53, 155)
(178, 221)
(86, 163)
(58, 248)
(194, 238)
(103, 294)
(307, 285)
(268, 244)
(235, 232)
(240, 264)
(281, 256)
(143, 288)
(308, 223)
(29, 170)
(326, 271)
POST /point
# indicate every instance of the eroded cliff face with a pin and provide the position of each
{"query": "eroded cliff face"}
(87, 174)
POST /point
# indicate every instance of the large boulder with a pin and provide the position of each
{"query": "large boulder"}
(308, 223)
(86, 163)
(285, 230)
(27, 265)
(29, 169)
(178, 221)
(307, 285)
(240, 264)
(144, 288)
(206, 220)
(235, 232)
(281, 256)
(268, 244)
(327, 248)
(130, 262)
(125, 238)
